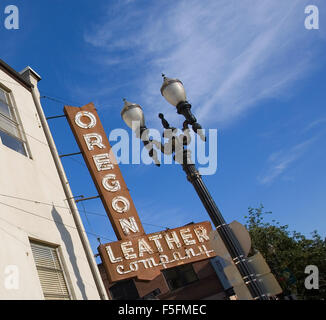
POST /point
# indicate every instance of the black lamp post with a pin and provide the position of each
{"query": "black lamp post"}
(174, 92)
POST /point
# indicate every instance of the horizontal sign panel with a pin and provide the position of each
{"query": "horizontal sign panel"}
(143, 257)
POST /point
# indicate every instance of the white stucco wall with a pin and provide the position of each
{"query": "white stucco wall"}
(35, 179)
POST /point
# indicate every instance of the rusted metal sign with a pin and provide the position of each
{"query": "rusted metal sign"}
(135, 254)
(102, 165)
(144, 257)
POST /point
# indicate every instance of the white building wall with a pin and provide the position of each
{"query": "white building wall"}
(48, 219)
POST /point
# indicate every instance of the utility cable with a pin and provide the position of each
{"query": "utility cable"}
(55, 221)
(62, 207)
(58, 100)
(89, 223)
(45, 95)
(69, 226)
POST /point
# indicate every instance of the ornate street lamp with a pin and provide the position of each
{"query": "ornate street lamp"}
(173, 91)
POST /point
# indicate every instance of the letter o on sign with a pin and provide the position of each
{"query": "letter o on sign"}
(84, 125)
(116, 204)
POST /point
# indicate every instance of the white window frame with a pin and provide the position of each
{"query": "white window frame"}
(58, 252)
(16, 121)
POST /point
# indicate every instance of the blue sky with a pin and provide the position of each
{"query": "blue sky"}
(250, 69)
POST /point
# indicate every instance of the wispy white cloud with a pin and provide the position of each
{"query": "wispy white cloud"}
(230, 54)
(281, 160)
(314, 124)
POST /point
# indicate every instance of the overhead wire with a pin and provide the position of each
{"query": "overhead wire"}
(38, 140)
(48, 96)
(80, 163)
(75, 160)
(52, 220)
(58, 100)
(62, 101)
(28, 247)
(12, 236)
(69, 226)
(89, 223)
(63, 207)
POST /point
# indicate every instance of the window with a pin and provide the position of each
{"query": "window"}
(180, 276)
(10, 134)
(124, 290)
(152, 295)
(50, 272)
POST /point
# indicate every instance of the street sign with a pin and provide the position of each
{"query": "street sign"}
(225, 268)
(229, 274)
(259, 264)
(268, 282)
(240, 233)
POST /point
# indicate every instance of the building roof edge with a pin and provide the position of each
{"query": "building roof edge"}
(15, 74)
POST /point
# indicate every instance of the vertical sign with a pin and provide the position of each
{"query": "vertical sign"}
(101, 162)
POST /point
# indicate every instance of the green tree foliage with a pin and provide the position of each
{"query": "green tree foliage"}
(288, 253)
